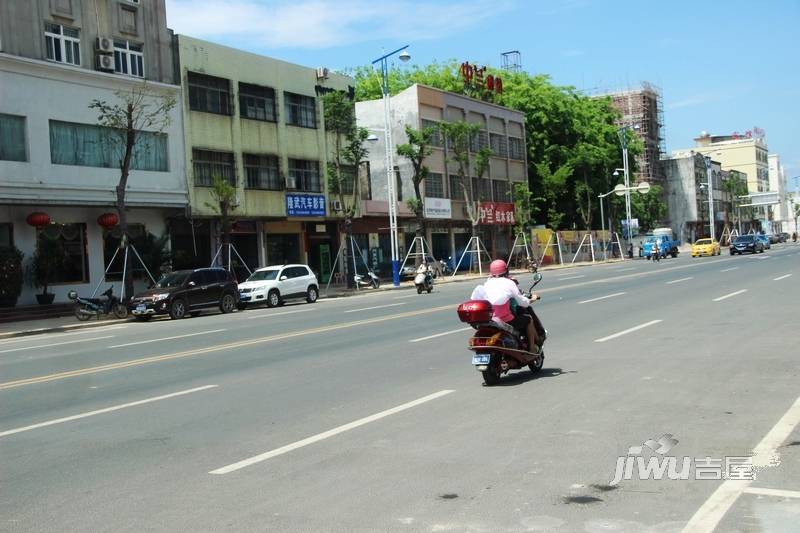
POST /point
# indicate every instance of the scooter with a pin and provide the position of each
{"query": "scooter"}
(424, 281)
(498, 346)
(86, 308)
(370, 280)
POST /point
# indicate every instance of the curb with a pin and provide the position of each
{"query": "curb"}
(58, 329)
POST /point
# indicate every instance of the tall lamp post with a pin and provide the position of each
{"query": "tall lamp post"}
(796, 201)
(619, 190)
(709, 183)
(390, 185)
(623, 139)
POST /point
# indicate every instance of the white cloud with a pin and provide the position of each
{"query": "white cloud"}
(322, 24)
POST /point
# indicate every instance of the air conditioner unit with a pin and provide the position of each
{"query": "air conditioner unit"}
(322, 73)
(104, 62)
(336, 205)
(104, 44)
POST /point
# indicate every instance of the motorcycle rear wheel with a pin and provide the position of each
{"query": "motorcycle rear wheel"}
(491, 376)
(120, 311)
(537, 365)
(80, 314)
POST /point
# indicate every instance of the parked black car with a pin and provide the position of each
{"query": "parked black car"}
(746, 243)
(783, 236)
(187, 292)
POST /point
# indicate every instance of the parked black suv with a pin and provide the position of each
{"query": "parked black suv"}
(187, 292)
(746, 243)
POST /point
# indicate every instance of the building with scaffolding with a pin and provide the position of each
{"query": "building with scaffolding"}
(643, 110)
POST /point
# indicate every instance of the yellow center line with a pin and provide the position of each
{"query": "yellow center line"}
(210, 349)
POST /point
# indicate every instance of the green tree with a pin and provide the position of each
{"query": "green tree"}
(138, 110)
(416, 150)
(224, 204)
(650, 208)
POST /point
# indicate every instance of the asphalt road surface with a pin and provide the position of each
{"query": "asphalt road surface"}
(365, 414)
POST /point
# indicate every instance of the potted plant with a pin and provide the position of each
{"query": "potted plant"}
(44, 266)
(10, 275)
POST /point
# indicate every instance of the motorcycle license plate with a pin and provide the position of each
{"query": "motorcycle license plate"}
(481, 359)
(141, 308)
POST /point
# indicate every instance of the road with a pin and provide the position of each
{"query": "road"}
(364, 413)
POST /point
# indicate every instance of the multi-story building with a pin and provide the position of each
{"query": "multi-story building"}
(781, 220)
(642, 110)
(448, 225)
(56, 57)
(687, 196)
(257, 123)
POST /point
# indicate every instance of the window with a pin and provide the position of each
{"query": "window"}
(478, 141)
(481, 189)
(300, 110)
(262, 172)
(88, 145)
(256, 102)
(70, 243)
(499, 144)
(501, 189)
(208, 164)
(456, 190)
(516, 148)
(6, 234)
(348, 180)
(12, 138)
(128, 58)
(282, 248)
(434, 186)
(62, 44)
(304, 176)
(209, 94)
(436, 138)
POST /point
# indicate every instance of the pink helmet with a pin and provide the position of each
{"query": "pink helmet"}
(498, 267)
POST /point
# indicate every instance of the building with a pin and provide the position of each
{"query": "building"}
(258, 123)
(448, 226)
(642, 110)
(56, 57)
(687, 197)
(782, 219)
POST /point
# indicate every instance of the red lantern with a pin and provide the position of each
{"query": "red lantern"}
(38, 219)
(108, 220)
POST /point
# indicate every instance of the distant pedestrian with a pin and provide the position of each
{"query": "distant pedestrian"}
(794, 236)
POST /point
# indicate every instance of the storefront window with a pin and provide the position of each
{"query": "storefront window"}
(6, 235)
(282, 248)
(70, 241)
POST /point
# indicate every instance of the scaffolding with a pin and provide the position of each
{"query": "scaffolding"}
(512, 61)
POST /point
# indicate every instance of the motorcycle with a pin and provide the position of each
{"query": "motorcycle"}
(655, 255)
(424, 280)
(86, 308)
(370, 280)
(498, 346)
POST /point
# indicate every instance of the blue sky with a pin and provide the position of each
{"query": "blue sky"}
(722, 66)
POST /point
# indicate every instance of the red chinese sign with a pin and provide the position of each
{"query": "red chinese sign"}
(496, 213)
(475, 78)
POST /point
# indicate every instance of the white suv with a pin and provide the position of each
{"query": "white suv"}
(276, 284)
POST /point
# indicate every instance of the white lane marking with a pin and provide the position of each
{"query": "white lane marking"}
(439, 334)
(375, 307)
(602, 298)
(166, 338)
(55, 344)
(267, 315)
(773, 492)
(731, 295)
(59, 335)
(729, 269)
(570, 277)
(706, 518)
(678, 280)
(624, 269)
(629, 330)
(781, 277)
(327, 434)
(106, 410)
(404, 297)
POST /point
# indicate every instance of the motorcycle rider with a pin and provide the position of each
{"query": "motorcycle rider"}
(499, 289)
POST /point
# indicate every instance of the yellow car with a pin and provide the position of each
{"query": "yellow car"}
(705, 247)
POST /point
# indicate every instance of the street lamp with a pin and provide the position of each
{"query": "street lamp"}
(390, 187)
(710, 184)
(623, 139)
(619, 190)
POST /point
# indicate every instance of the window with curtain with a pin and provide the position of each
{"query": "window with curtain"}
(89, 145)
(62, 44)
(434, 186)
(304, 176)
(128, 58)
(262, 172)
(70, 241)
(300, 110)
(208, 164)
(12, 138)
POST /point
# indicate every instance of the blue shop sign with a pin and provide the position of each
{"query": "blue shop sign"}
(305, 205)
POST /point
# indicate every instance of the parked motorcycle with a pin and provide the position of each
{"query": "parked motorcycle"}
(424, 279)
(86, 308)
(498, 346)
(370, 280)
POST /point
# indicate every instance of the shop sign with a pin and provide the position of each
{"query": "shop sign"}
(475, 78)
(438, 208)
(496, 213)
(305, 205)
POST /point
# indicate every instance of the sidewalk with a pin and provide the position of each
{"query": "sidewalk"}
(70, 323)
